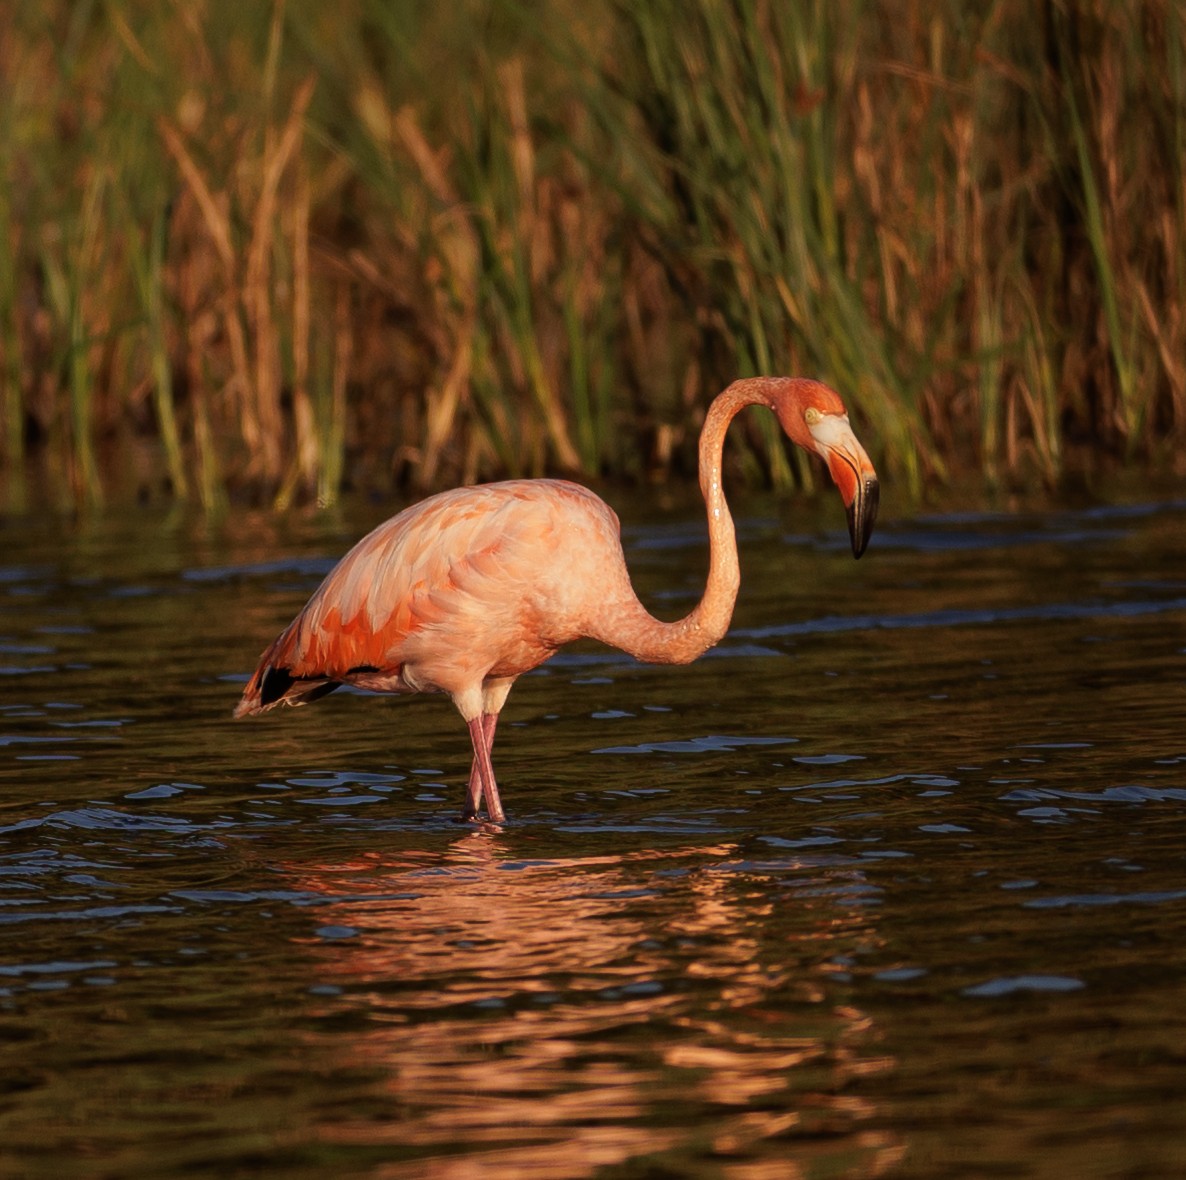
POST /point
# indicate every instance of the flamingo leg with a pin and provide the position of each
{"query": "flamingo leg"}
(473, 791)
(481, 775)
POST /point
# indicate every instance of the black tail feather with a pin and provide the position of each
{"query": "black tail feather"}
(280, 686)
(275, 683)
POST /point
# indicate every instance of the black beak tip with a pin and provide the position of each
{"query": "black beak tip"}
(862, 513)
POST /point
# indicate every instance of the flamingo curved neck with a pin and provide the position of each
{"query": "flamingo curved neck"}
(653, 641)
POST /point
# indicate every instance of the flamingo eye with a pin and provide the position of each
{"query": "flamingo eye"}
(812, 416)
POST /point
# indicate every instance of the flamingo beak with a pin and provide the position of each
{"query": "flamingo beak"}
(853, 474)
(862, 512)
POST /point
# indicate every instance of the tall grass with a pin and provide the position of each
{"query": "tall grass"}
(270, 251)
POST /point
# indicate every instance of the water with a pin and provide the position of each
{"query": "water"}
(891, 884)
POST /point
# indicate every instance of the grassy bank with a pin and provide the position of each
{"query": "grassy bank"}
(267, 251)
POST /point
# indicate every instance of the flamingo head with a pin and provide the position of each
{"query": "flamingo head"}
(813, 416)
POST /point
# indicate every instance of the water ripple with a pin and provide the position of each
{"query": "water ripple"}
(1047, 612)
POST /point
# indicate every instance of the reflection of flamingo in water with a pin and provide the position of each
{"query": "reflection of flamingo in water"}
(471, 588)
(544, 1017)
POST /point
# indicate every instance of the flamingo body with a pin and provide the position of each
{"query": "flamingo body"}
(471, 585)
(470, 588)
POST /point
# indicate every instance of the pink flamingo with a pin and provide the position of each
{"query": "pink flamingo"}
(467, 590)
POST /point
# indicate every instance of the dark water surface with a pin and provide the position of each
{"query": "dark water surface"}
(891, 884)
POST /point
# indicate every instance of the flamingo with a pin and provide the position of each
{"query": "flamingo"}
(465, 591)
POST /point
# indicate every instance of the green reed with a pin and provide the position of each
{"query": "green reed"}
(270, 251)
